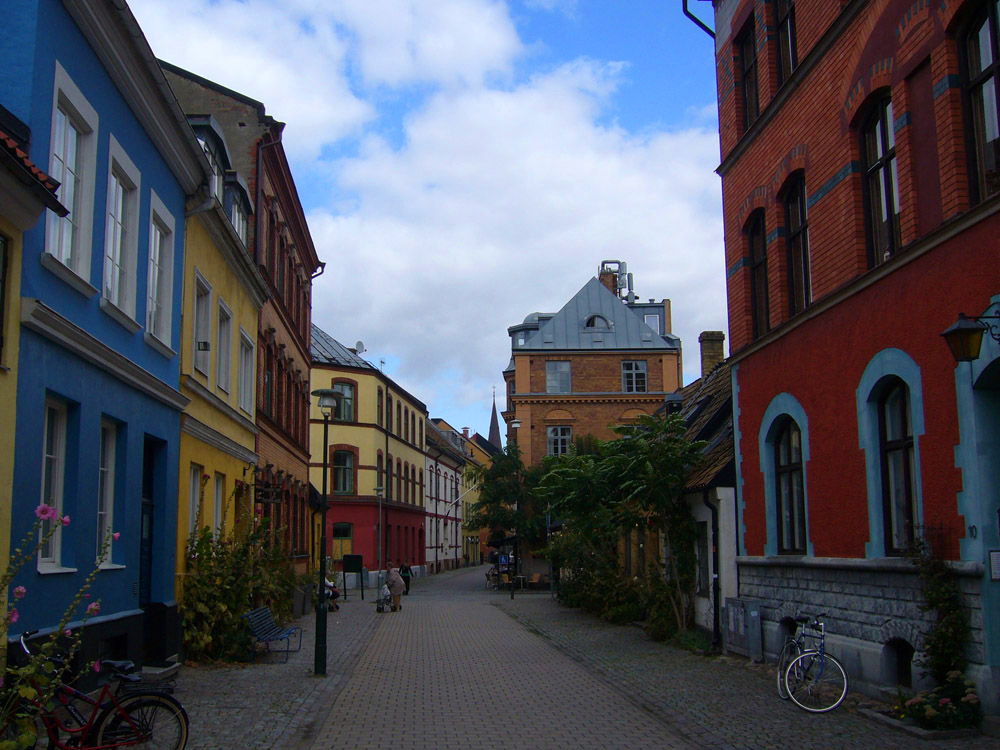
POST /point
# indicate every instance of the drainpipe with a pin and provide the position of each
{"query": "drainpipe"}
(260, 189)
(716, 628)
(698, 21)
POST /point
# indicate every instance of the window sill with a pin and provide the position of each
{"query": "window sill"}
(67, 275)
(111, 566)
(49, 570)
(158, 345)
(119, 316)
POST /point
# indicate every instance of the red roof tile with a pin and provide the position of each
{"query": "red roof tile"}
(30, 174)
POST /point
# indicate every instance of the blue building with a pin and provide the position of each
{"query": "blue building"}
(98, 399)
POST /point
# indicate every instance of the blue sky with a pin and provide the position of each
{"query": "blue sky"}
(464, 163)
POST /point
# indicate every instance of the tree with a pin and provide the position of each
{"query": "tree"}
(507, 501)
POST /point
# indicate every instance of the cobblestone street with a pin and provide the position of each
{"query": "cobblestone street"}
(460, 666)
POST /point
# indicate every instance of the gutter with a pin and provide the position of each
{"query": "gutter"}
(716, 625)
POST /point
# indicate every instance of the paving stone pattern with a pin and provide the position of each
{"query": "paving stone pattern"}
(270, 704)
(721, 702)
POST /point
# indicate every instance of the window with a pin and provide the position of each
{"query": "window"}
(72, 163)
(344, 410)
(797, 238)
(406, 425)
(202, 324)
(878, 150)
(224, 350)
(53, 475)
(194, 497)
(239, 218)
(268, 382)
(559, 439)
(557, 377)
(378, 408)
(220, 499)
(3, 290)
(246, 372)
(597, 321)
(120, 238)
(388, 479)
(791, 501)
(388, 413)
(634, 376)
(653, 321)
(981, 55)
(746, 44)
(217, 172)
(399, 479)
(784, 19)
(896, 449)
(420, 436)
(406, 482)
(379, 484)
(757, 245)
(399, 417)
(160, 282)
(106, 492)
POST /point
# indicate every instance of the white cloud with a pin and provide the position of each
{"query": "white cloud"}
(503, 203)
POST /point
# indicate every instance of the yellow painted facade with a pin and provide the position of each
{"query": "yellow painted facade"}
(223, 295)
(10, 319)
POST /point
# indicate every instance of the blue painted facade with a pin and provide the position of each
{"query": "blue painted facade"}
(107, 371)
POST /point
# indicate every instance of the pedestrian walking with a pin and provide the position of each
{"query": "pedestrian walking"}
(395, 583)
(406, 574)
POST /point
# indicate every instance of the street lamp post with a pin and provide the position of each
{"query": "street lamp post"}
(329, 399)
(516, 424)
(378, 551)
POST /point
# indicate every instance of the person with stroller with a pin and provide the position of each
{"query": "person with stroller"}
(332, 595)
(406, 573)
(396, 586)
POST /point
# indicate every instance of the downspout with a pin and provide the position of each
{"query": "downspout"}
(716, 623)
(205, 206)
(260, 189)
(698, 21)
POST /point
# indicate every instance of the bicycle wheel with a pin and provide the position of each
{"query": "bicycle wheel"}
(156, 721)
(816, 682)
(789, 652)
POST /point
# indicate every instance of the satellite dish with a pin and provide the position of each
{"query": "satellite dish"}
(359, 348)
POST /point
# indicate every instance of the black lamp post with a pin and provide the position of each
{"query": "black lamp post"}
(516, 424)
(329, 400)
(965, 336)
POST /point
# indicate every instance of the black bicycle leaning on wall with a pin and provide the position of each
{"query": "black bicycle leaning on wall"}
(813, 679)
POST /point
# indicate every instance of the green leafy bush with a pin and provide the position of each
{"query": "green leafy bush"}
(952, 705)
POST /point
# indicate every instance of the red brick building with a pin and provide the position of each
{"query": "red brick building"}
(600, 361)
(859, 171)
(279, 241)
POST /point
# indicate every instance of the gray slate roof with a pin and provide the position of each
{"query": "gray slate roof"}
(327, 350)
(567, 328)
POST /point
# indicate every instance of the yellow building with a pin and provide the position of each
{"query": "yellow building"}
(375, 443)
(25, 193)
(223, 296)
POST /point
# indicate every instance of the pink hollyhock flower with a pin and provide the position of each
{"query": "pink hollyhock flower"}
(19, 592)
(97, 665)
(69, 633)
(93, 608)
(46, 512)
(116, 536)
(65, 520)
(14, 615)
(944, 701)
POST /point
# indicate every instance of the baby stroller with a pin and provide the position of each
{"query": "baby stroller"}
(384, 601)
(332, 595)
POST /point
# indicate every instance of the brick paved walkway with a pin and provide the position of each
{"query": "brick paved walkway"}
(270, 704)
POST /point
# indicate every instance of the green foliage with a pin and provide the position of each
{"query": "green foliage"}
(952, 705)
(26, 687)
(228, 574)
(633, 482)
(944, 644)
(507, 503)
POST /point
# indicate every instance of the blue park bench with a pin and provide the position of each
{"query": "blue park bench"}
(265, 630)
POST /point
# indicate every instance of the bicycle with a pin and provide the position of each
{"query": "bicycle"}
(814, 680)
(792, 648)
(128, 716)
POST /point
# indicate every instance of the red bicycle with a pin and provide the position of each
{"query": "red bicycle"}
(128, 716)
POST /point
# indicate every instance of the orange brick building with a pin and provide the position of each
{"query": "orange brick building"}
(601, 360)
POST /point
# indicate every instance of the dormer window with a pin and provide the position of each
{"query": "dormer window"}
(597, 321)
(237, 204)
(217, 176)
(239, 219)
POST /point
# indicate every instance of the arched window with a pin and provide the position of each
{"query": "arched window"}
(797, 241)
(406, 425)
(388, 478)
(343, 472)
(981, 66)
(388, 413)
(399, 417)
(399, 479)
(378, 473)
(406, 481)
(344, 410)
(378, 408)
(878, 154)
(420, 443)
(421, 495)
(790, 488)
(757, 255)
(597, 321)
(896, 452)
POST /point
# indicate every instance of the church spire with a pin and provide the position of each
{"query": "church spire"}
(495, 424)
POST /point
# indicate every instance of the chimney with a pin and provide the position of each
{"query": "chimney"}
(465, 432)
(610, 280)
(712, 352)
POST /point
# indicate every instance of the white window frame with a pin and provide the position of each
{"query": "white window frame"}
(50, 554)
(247, 372)
(655, 323)
(224, 348)
(69, 102)
(121, 239)
(553, 379)
(558, 436)
(630, 369)
(160, 281)
(194, 491)
(106, 490)
(220, 498)
(239, 219)
(201, 324)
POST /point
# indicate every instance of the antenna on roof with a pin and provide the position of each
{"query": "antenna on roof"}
(381, 365)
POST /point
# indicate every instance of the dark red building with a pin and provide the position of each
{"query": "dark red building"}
(860, 149)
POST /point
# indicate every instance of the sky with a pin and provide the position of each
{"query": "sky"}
(464, 163)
